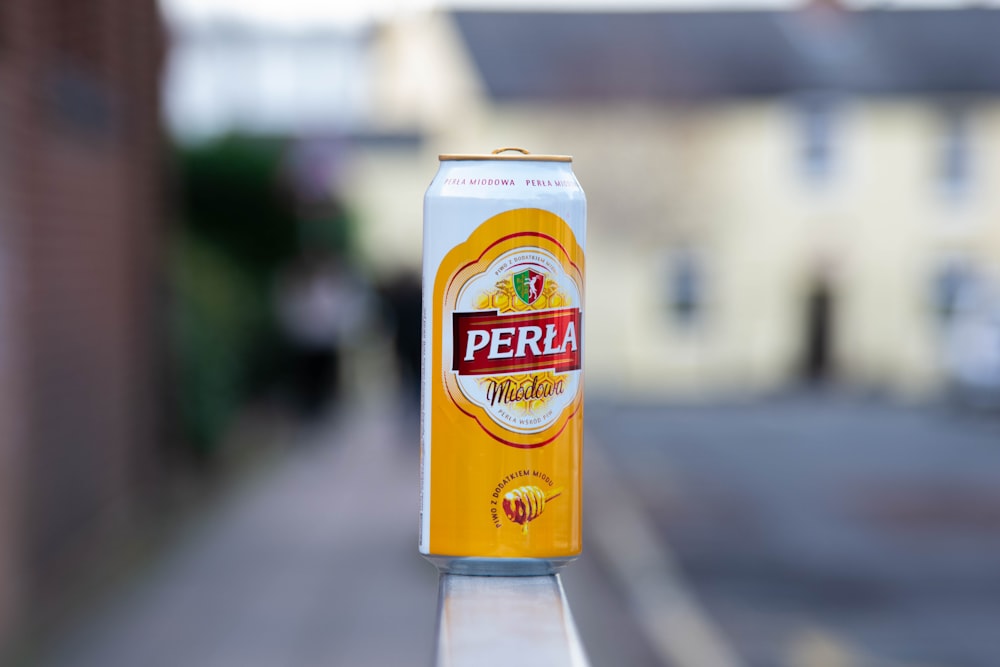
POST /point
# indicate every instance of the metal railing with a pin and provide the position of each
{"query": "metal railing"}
(504, 621)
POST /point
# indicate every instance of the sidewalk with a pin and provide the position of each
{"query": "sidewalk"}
(311, 564)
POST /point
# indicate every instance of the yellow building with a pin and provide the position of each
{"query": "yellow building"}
(773, 196)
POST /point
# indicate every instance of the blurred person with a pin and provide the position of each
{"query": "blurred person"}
(401, 296)
(817, 362)
(321, 305)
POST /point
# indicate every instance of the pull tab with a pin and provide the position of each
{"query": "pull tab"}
(511, 148)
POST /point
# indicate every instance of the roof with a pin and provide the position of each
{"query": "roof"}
(696, 55)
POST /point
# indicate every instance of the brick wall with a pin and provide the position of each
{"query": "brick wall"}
(80, 216)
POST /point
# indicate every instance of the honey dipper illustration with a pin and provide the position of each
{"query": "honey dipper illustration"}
(526, 503)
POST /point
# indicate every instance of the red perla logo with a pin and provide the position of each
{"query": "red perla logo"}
(513, 339)
(487, 343)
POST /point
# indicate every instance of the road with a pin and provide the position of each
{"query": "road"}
(824, 530)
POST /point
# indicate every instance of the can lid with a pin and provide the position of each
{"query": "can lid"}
(519, 155)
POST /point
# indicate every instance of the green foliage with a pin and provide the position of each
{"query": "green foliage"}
(233, 198)
(214, 319)
(237, 230)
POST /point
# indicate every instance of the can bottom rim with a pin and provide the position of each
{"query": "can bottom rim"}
(498, 567)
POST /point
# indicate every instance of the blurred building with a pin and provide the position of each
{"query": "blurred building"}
(80, 212)
(775, 197)
(231, 77)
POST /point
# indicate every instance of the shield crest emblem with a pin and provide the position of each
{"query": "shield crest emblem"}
(528, 286)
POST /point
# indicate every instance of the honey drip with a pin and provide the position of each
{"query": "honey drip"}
(526, 503)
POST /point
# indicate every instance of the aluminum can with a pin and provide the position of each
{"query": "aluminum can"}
(502, 377)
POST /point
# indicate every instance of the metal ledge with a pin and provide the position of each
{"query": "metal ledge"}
(504, 621)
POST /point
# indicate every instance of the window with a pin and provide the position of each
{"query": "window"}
(955, 285)
(817, 141)
(76, 85)
(954, 162)
(685, 286)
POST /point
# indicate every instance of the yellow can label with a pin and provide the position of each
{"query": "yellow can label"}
(506, 396)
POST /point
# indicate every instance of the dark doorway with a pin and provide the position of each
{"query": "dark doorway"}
(817, 362)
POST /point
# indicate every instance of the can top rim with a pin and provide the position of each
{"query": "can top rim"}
(520, 155)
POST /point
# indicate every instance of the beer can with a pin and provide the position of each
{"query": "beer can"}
(502, 382)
